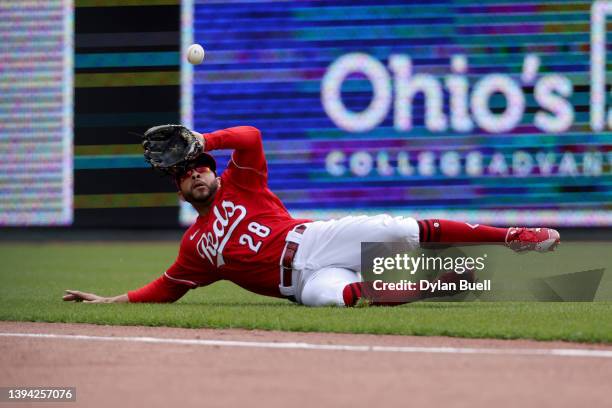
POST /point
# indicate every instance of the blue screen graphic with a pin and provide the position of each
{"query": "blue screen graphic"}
(493, 112)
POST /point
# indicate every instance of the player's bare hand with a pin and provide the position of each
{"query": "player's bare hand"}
(78, 296)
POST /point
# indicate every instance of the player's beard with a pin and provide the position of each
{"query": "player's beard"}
(201, 195)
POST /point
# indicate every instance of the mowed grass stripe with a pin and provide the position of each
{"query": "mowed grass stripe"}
(34, 277)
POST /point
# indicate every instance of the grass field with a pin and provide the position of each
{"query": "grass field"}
(34, 276)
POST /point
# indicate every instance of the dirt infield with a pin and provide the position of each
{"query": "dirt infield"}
(162, 367)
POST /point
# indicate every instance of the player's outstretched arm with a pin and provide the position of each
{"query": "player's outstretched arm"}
(246, 143)
(78, 296)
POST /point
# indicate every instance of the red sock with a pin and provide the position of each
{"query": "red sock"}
(452, 231)
(355, 291)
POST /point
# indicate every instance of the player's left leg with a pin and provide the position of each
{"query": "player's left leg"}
(518, 239)
(338, 242)
(343, 287)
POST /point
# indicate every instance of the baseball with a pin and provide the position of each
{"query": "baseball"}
(195, 54)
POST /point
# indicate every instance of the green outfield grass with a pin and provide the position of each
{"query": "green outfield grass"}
(34, 276)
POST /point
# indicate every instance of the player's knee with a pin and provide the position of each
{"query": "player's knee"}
(313, 296)
(326, 287)
(401, 229)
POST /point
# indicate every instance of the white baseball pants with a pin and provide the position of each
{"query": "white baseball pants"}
(329, 253)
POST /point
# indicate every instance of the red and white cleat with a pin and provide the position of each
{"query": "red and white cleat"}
(532, 239)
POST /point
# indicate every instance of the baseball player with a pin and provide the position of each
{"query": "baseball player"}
(244, 233)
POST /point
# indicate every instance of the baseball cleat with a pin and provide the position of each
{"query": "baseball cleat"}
(532, 239)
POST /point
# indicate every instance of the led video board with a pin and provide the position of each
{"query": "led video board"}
(36, 92)
(492, 112)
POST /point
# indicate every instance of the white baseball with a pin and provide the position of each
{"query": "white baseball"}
(195, 54)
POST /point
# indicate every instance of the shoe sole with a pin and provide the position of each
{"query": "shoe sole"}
(549, 245)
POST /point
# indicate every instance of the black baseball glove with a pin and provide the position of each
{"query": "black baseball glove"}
(169, 148)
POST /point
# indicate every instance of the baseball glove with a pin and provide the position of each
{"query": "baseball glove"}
(169, 148)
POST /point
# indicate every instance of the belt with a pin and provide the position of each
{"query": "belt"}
(289, 253)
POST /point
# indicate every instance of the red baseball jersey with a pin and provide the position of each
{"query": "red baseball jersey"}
(242, 237)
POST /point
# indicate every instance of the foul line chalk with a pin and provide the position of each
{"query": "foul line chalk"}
(569, 352)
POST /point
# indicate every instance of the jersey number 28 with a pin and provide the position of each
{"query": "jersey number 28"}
(260, 230)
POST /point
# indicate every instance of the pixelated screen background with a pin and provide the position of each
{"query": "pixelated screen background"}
(36, 79)
(488, 111)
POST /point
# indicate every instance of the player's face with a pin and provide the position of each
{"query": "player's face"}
(198, 185)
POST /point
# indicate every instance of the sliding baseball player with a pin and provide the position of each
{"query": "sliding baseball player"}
(244, 233)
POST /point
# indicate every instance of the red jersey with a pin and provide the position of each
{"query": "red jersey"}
(241, 238)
